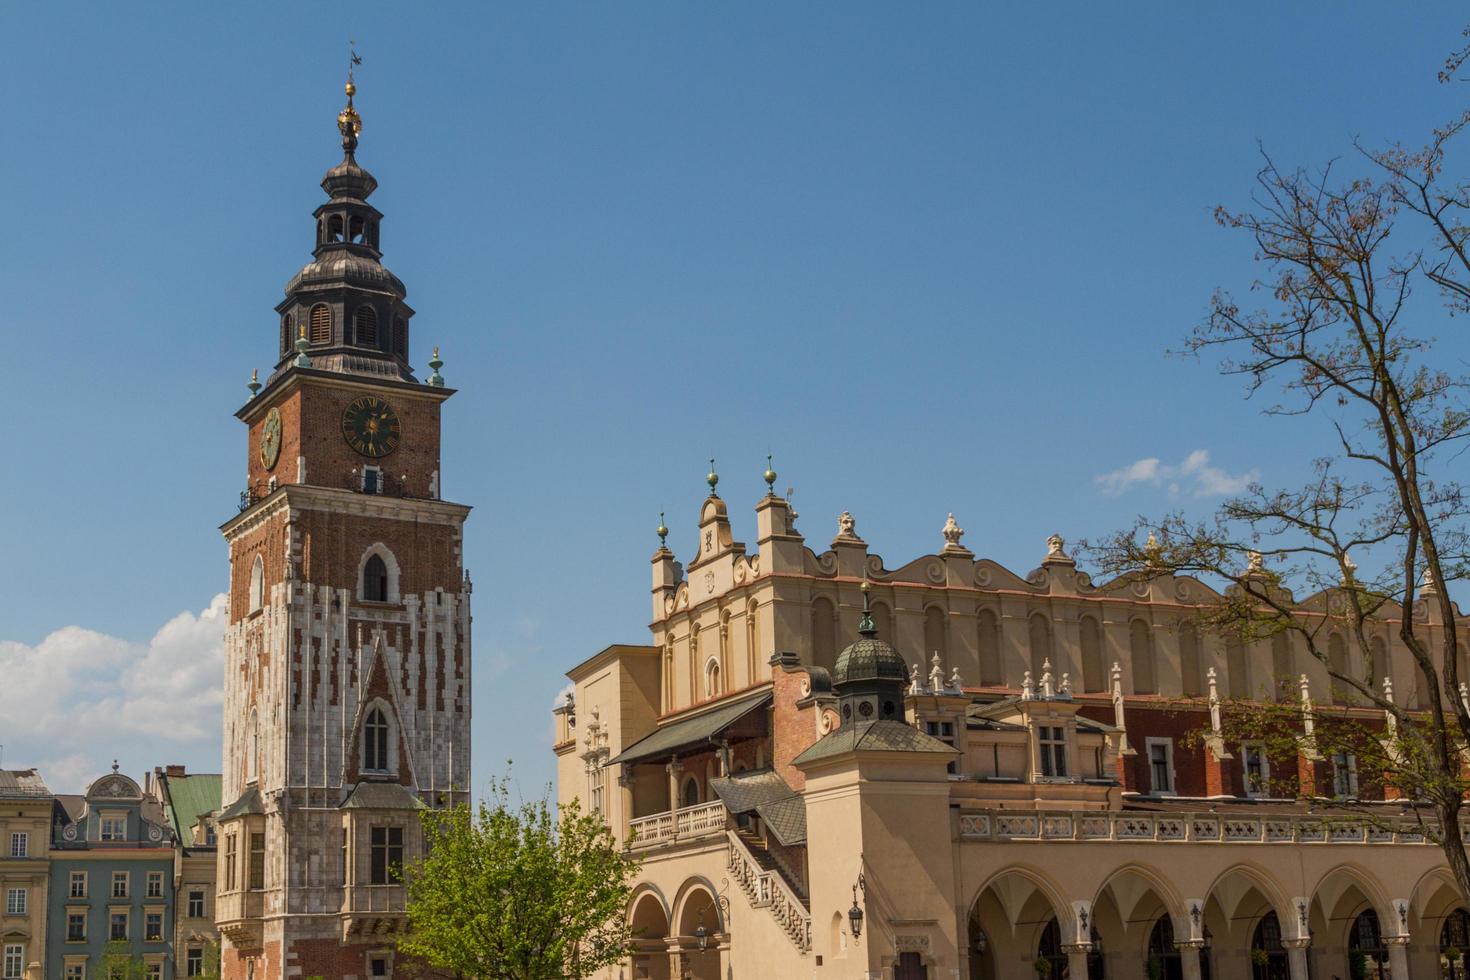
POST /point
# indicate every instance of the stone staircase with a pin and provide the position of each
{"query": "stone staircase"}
(768, 886)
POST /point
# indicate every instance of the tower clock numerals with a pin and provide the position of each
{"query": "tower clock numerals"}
(370, 427)
(270, 439)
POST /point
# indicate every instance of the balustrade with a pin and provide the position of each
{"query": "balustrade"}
(1002, 825)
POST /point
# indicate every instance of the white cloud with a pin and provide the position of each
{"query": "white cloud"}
(1194, 476)
(79, 698)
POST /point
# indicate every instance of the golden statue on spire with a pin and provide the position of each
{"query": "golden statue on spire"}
(349, 123)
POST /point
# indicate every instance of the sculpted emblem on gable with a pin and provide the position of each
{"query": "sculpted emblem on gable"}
(115, 787)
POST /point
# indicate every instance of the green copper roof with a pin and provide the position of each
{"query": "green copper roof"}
(188, 797)
(866, 660)
(874, 736)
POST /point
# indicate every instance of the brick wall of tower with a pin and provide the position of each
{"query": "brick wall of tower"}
(333, 545)
(311, 426)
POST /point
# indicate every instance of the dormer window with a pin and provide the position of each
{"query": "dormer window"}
(1052, 741)
(375, 742)
(114, 827)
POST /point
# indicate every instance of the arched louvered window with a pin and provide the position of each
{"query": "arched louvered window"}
(334, 228)
(375, 742)
(365, 326)
(321, 324)
(1191, 673)
(1141, 653)
(288, 333)
(400, 336)
(992, 671)
(356, 227)
(1094, 674)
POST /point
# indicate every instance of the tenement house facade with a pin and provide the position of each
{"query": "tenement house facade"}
(347, 653)
(834, 768)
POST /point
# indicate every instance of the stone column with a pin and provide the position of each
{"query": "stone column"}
(674, 768)
(1296, 951)
(1077, 959)
(1189, 958)
(1398, 956)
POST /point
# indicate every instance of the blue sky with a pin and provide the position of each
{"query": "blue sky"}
(929, 257)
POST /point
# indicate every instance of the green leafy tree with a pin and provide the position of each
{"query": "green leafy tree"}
(514, 892)
(119, 962)
(1358, 270)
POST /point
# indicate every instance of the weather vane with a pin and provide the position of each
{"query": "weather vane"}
(356, 58)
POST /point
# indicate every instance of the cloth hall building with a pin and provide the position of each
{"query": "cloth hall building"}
(833, 768)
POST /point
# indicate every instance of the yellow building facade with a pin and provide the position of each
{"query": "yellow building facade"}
(836, 769)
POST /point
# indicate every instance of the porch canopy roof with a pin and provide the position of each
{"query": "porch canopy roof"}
(742, 717)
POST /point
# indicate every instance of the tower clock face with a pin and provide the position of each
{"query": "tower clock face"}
(370, 426)
(270, 439)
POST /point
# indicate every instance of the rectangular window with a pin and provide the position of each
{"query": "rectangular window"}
(1053, 751)
(257, 861)
(155, 971)
(76, 927)
(196, 904)
(120, 884)
(78, 888)
(20, 846)
(114, 828)
(155, 884)
(387, 847)
(371, 476)
(117, 927)
(153, 927)
(209, 838)
(944, 731)
(194, 962)
(76, 971)
(1345, 775)
(1161, 764)
(13, 967)
(15, 901)
(231, 859)
(1257, 770)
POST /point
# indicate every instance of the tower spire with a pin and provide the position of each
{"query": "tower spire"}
(349, 122)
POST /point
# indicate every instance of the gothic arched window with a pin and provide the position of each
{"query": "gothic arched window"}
(375, 579)
(257, 584)
(690, 796)
(321, 324)
(375, 742)
(712, 678)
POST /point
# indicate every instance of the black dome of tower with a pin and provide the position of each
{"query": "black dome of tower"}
(345, 302)
(869, 675)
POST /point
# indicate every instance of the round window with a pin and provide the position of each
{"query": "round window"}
(866, 709)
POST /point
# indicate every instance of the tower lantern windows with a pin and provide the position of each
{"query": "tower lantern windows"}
(400, 336)
(357, 230)
(288, 334)
(321, 324)
(334, 228)
(365, 326)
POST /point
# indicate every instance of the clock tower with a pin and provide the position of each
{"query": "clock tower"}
(347, 654)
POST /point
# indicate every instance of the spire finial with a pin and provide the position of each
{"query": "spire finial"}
(770, 477)
(349, 123)
(662, 531)
(302, 361)
(865, 626)
(712, 478)
(436, 380)
(254, 384)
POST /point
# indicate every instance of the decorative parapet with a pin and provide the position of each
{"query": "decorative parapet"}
(1213, 828)
(768, 890)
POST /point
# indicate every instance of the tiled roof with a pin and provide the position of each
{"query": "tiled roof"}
(16, 783)
(189, 797)
(745, 791)
(786, 819)
(249, 804)
(697, 731)
(874, 736)
(381, 796)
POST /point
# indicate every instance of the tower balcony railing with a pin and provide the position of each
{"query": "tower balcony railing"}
(671, 826)
(375, 899)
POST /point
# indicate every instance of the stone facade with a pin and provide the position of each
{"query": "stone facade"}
(347, 655)
(25, 831)
(1042, 810)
